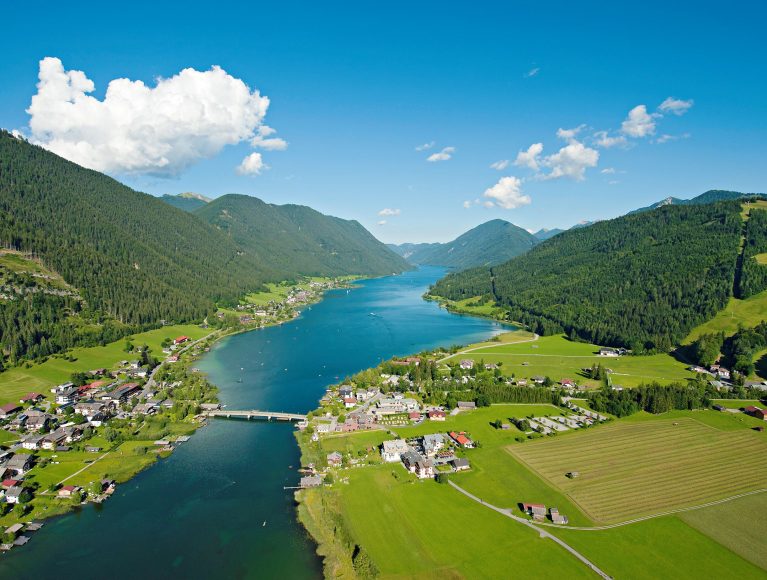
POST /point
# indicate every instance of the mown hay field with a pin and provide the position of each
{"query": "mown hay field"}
(627, 470)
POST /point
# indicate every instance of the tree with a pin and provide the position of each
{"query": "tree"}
(443, 478)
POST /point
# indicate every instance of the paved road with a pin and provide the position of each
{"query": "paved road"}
(543, 533)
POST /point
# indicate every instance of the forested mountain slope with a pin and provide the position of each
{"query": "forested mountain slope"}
(641, 281)
(298, 239)
(487, 244)
(710, 196)
(186, 201)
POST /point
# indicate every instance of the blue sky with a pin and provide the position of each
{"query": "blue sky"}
(354, 88)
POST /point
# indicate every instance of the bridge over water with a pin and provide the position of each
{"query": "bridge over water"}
(255, 414)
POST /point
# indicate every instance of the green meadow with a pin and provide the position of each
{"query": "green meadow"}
(747, 313)
(20, 380)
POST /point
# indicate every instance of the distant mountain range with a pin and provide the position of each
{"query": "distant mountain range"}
(710, 196)
(487, 244)
(187, 201)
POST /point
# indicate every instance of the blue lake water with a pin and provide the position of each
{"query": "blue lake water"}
(216, 507)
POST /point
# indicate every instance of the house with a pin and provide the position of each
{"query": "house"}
(466, 405)
(37, 420)
(414, 416)
(460, 464)
(467, 363)
(556, 517)
(145, 409)
(32, 442)
(416, 463)
(8, 409)
(31, 398)
(122, 393)
(344, 392)
(311, 481)
(608, 352)
(539, 379)
(8, 483)
(567, 383)
(350, 402)
(392, 451)
(436, 415)
(181, 339)
(756, 412)
(67, 395)
(13, 494)
(335, 459)
(537, 510)
(432, 443)
(67, 491)
(490, 366)
(210, 406)
(20, 463)
(462, 440)
(53, 440)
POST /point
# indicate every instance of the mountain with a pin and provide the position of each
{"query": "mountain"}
(408, 250)
(710, 196)
(545, 233)
(188, 201)
(130, 260)
(641, 281)
(298, 239)
(487, 244)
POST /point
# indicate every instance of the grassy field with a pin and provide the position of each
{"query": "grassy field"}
(748, 313)
(475, 307)
(736, 403)
(630, 469)
(20, 380)
(426, 530)
(559, 358)
(725, 524)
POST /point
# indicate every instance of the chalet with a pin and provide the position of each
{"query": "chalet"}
(467, 363)
(436, 415)
(556, 517)
(122, 393)
(608, 352)
(145, 409)
(567, 383)
(416, 463)
(31, 398)
(13, 494)
(466, 405)
(181, 339)
(539, 379)
(32, 442)
(67, 395)
(414, 415)
(37, 420)
(460, 464)
(536, 510)
(756, 412)
(311, 481)
(8, 483)
(20, 464)
(97, 372)
(9, 409)
(67, 491)
(335, 459)
(53, 440)
(462, 440)
(344, 392)
(490, 366)
(391, 451)
(350, 402)
(432, 443)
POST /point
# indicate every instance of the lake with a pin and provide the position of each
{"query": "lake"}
(217, 507)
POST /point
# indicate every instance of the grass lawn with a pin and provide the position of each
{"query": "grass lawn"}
(659, 548)
(733, 525)
(426, 530)
(736, 403)
(629, 469)
(747, 313)
(18, 381)
(559, 358)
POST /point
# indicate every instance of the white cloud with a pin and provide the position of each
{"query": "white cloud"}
(467, 204)
(260, 141)
(529, 158)
(253, 164)
(382, 223)
(639, 122)
(443, 155)
(675, 106)
(425, 146)
(613, 182)
(665, 138)
(570, 134)
(532, 72)
(387, 211)
(507, 193)
(571, 161)
(500, 165)
(606, 141)
(136, 128)
(608, 171)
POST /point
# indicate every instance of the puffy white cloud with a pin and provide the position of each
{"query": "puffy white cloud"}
(253, 164)
(425, 146)
(606, 141)
(532, 72)
(500, 165)
(675, 106)
(529, 158)
(263, 141)
(639, 122)
(571, 161)
(136, 128)
(467, 204)
(507, 193)
(608, 171)
(387, 211)
(443, 155)
(570, 134)
(382, 223)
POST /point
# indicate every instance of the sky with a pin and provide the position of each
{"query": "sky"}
(418, 119)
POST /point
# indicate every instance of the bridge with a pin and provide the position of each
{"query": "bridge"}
(255, 414)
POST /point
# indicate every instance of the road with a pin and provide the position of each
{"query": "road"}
(494, 344)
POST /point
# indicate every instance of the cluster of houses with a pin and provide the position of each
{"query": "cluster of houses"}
(421, 455)
(537, 511)
(579, 419)
(297, 296)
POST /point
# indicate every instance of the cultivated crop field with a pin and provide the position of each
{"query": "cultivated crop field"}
(627, 470)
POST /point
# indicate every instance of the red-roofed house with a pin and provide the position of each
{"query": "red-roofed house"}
(461, 439)
(9, 409)
(414, 415)
(68, 490)
(436, 415)
(537, 510)
(10, 483)
(757, 412)
(31, 398)
(181, 340)
(349, 402)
